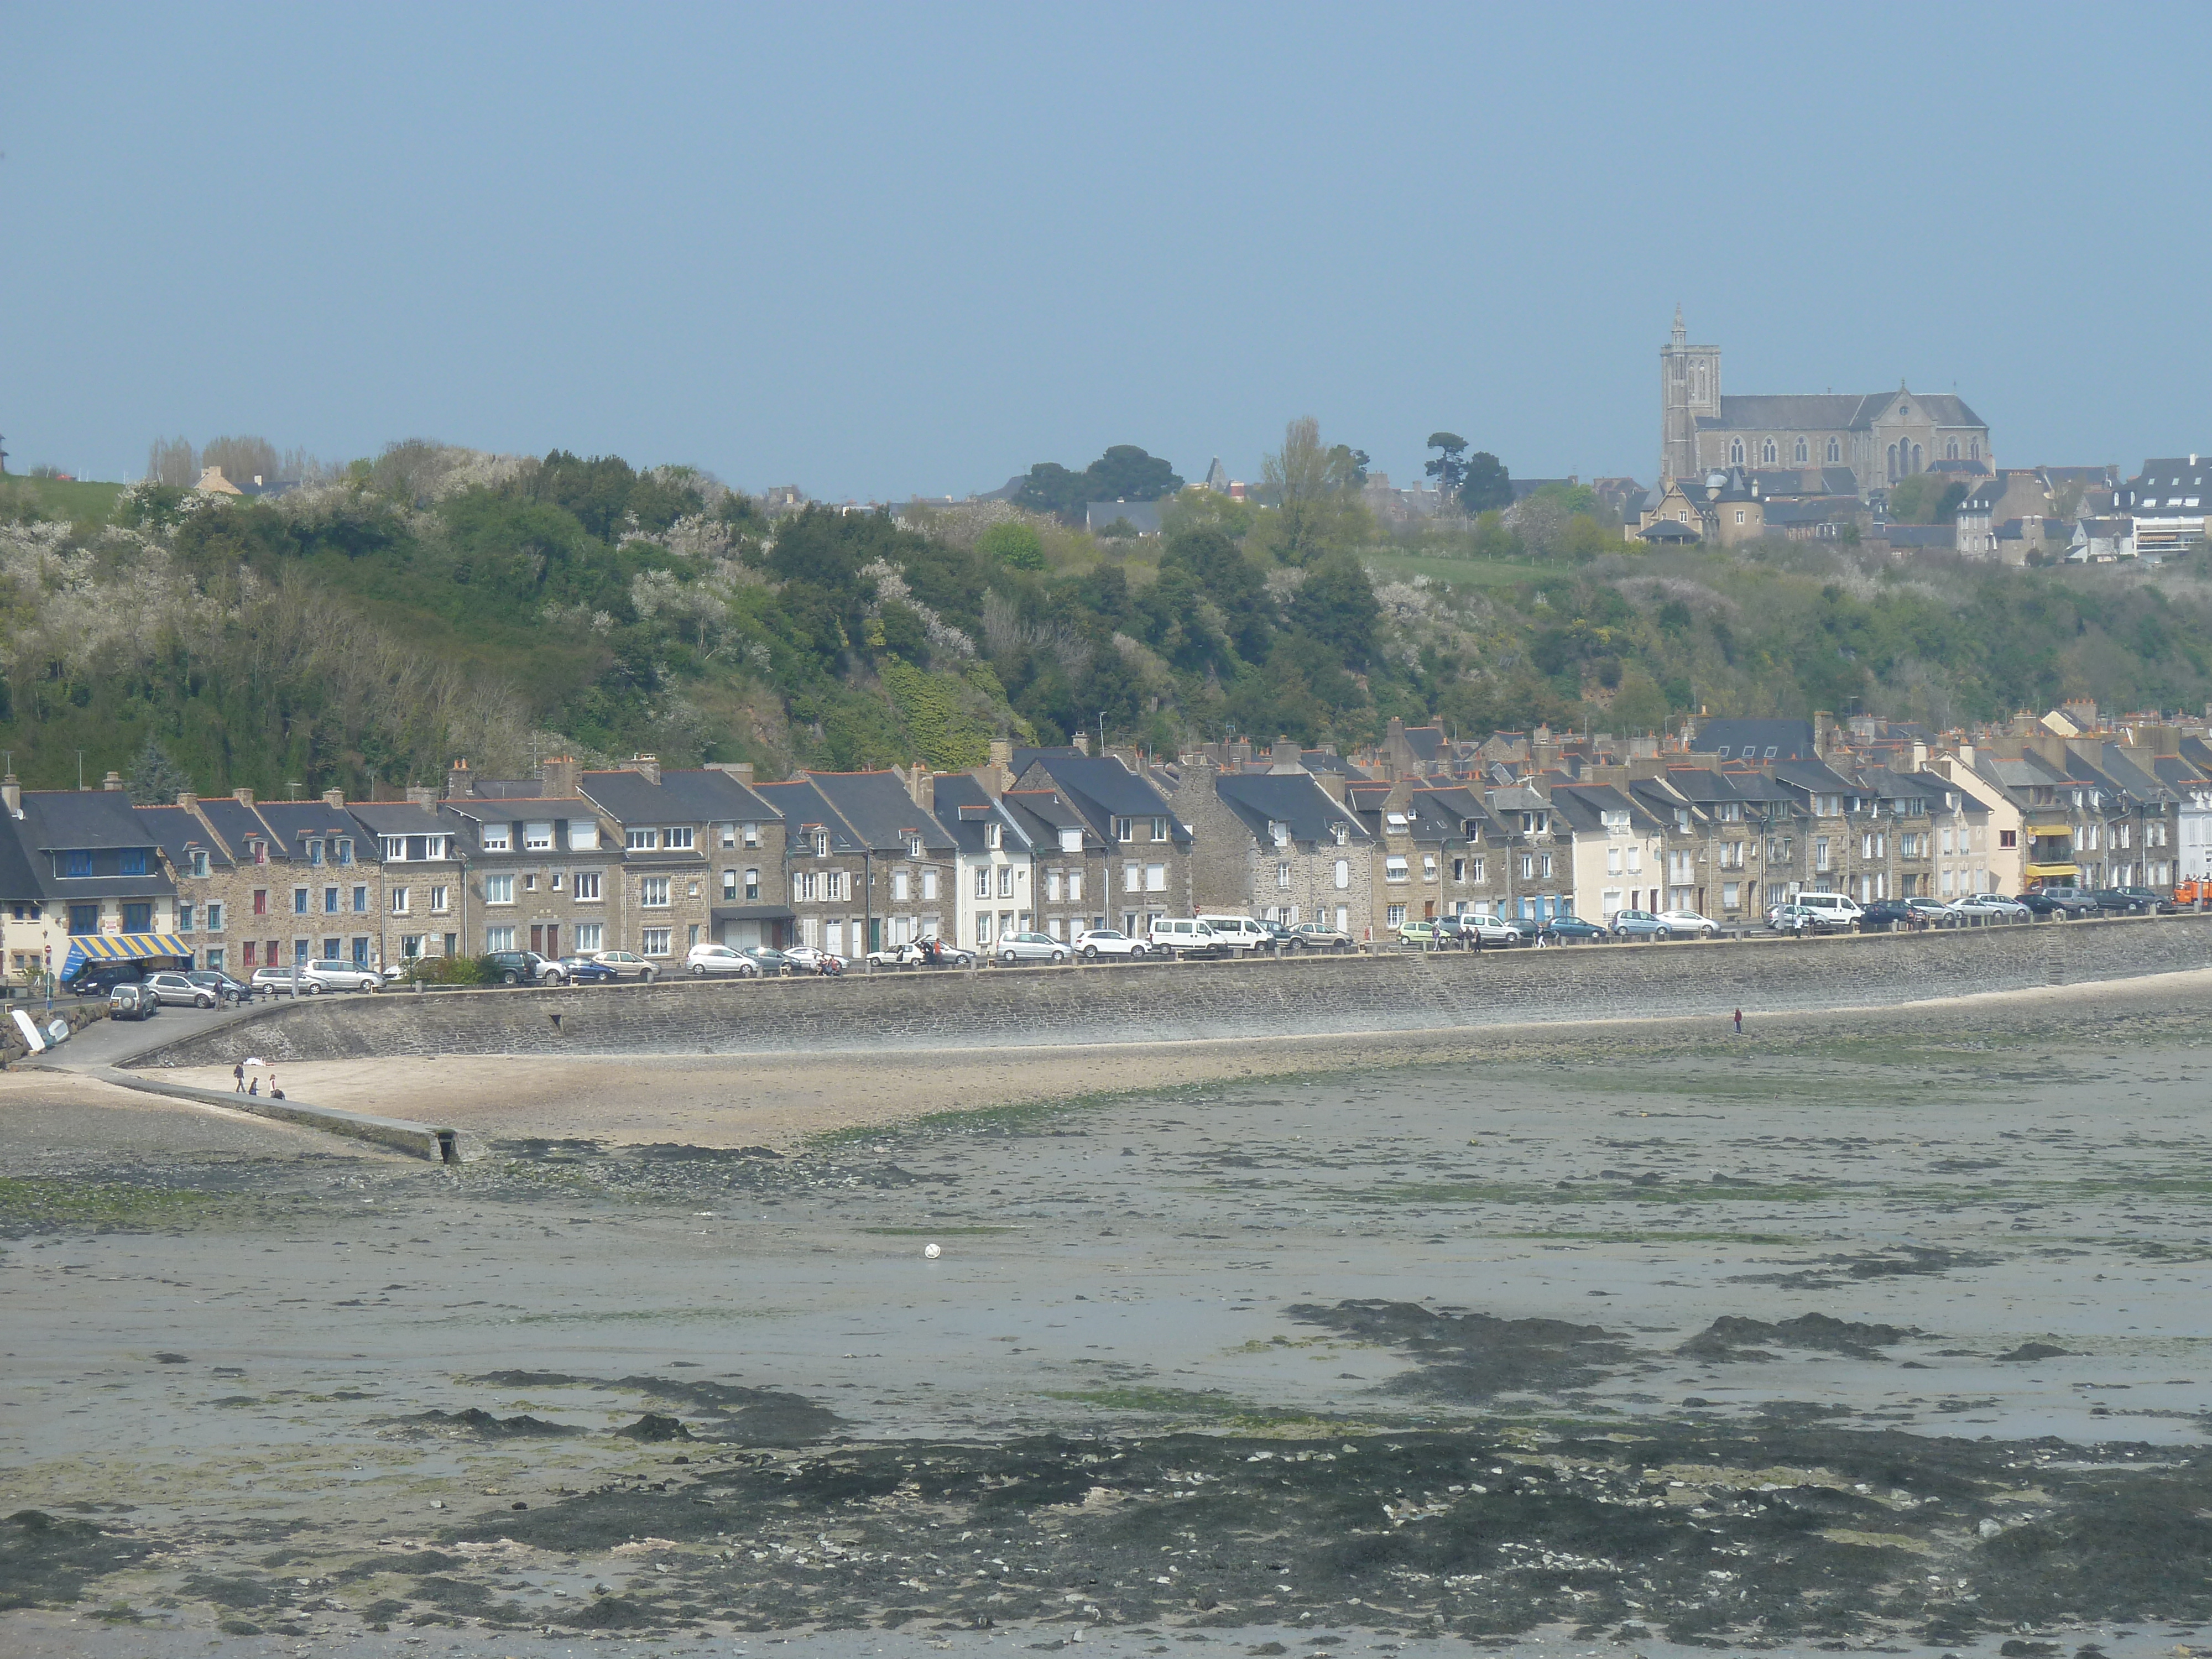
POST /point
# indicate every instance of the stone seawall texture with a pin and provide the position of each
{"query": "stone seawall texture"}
(1161, 1001)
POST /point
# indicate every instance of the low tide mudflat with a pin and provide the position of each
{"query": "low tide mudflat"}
(1862, 1330)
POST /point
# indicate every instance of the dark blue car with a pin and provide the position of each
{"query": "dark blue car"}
(582, 970)
(1569, 930)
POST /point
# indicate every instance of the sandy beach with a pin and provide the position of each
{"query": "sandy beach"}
(1639, 1332)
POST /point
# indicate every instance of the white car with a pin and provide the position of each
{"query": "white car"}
(1029, 947)
(705, 961)
(627, 965)
(329, 976)
(808, 959)
(1690, 923)
(922, 953)
(1495, 930)
(1095, 942)
(1992, 906)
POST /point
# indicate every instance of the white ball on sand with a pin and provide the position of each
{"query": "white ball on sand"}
(931, 1252)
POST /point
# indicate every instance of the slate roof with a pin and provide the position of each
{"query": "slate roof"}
(176, 832)
(702, 795)
(1830, 412)
(801, 807)
(880, 811)
(1582, 804)
(233, 820)
(398, 818)
(1258, 798)
(1101, 788)
(18, 879)
(1752, 738)
(468, 818)
(294, 821)
(1042, 814)
(1453, 806)
(92, 819)
(964, 809)
(1918, 535)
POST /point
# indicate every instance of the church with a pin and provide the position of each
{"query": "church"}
(1881, 437)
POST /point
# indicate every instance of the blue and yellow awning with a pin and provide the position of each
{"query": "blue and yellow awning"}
(122, 947)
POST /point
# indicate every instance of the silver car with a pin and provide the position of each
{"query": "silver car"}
(282, 983)
(331, 976)
(1991, 907)
(177, 989)
(1029, 947)
(627, 965)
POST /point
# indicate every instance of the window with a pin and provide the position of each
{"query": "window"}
(84, 917)
(584, 884)
(214, 918)
(1820, 852)
(641, 841)
(402, 901)
(1052, 879)
(820, 842)
(1528, 867)
(835, 885)
(691, 890)
(1544, 865)
(261, 900)
(1070, 840)
(900, 882)
(1613, 861)
(804, 886)
(1739, 515)
(677, 837)
(1343, 874)
(1159, 828)
(500, 890)
(1156, 879)
(753, 883)
(1735, 451)
(260, 853)
(588, 936)
(184, 918)
(994, 835)
(1006, 881)
(655, 941)
(1394, 915)
(200, 865)
(345, 850)
(537, 837)
(498, 838)
(583, 835)
(983, 881)
(1803, 455)
(1394, 867)
(299, 901)
(1283, 876)
(1075, 888)
(1730, 895)
(441, 900)
(314, 853)
(499, 939)
(729, 885)
(1474, 870)
(752, 834)
(392, 849)
(1132, 880)
(77, 863)
(652, 892)
(1766, 451)
(1428, 866)
(729, 834)
(361, 901)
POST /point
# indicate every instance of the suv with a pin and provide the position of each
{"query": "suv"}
(131, 999)
(97, 979)
(2068, 902)
(226, 988)
(510, 968)
(178, 988)
(329, 975)
(1095, 942)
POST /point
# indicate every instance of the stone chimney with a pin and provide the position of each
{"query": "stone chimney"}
(1824, 729)
(1332, 785)
(1284, 757)
(921, 786)
(11, 791)
(558, 777)
(188, 801)
(1082, 742)
(741, 770)
(113, 781)
(334, 798)
(422, 794)
(648, 766)
(460, 785)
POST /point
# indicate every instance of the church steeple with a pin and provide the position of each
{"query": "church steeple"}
(1680, 334)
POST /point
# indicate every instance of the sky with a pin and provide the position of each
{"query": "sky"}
(882, 251)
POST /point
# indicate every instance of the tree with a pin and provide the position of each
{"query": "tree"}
(170, 462)
(154, 779)
(1315, 511)
(1013, 543)
(1485, 485)
(1348, 468)
(1926, 498)
(1126, 473)
(242, 460)
(1447, 468)
(1051, 488)
(1335, 604)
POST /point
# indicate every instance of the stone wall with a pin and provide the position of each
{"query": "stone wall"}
(1165, 1001)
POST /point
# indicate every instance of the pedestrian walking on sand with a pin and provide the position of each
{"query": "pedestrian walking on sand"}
(1739, 1022)
(237, 1078)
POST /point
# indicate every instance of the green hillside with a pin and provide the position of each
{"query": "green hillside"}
(440, 603)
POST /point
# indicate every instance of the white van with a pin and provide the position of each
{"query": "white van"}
(1181, 936)
(1237, 933)
(1837, 909)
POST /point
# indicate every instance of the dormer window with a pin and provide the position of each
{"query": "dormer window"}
(1071, 839)
(914, 846)
(260, 849)
(1341, 832)
(76, 863)
(641, 841)
(821, 843)
(677, 837)
(1125, 830)
(1278, 832)
(200, 864)
(537, 837)
(314, 852)
(498, 838)
(994, 835)
(1394, 821)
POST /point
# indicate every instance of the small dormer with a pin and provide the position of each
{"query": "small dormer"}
(1071, 838)
(913, 843)
(994, 836)
(1339, 832)
(1278, 832)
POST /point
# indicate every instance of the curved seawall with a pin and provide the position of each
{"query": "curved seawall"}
(946, 1009)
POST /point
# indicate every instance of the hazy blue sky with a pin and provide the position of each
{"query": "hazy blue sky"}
(882, 250)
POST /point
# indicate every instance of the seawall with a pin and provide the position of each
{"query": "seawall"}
(946, 1009)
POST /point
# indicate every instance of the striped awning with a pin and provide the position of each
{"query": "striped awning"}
(122, 947)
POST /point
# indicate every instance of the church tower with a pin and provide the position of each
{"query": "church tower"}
(1689, 386)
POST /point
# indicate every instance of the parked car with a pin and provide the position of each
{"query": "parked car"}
(1282, 938)
(1497, 930)
(1421, 934)
(131, 999)
(767, 958)
(1688, 924)
(2128, 901)
(587, 970)
(1569, 930)
(1884, 914)
(1800, 919)
(97, 979)
(922, 953)
(1095, 942)
(807, 959)
(703, 960)
(1029, 947)
(1180, 936)
(329, 976)
(281, 982)
(627, 965)
(1320, 936)
(1838, 910)
(1236, 935)
(2039, 905)
(2068, 902)
(1931, 913)
(226, 988)
(1639, 923)
(177, 989)
(520, 968)
(1987, 907)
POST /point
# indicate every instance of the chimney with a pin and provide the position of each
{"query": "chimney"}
(647, 765)
(1284, 757)
(1332, 785)
(243, 796)
(1823, 729)
(422, 794)
(741, 770)
(460, 785)
(12, 792)
(559, 777)
(921, 785)
(188, 801)
(1082, 742)
(334, 798)
(1002, 753)
(113, 781)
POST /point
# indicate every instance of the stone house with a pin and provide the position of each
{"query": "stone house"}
(996, 880)
(908, 861)
(542, 872)
(1541, 849)
(1074, 879)
(1475, 851)
(701, 856)
(418, 852)
(332, 901)
(206, 877)
(1149, 846)
(1277, 846)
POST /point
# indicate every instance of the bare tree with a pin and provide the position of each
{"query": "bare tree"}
(242, 460)
(169, 461)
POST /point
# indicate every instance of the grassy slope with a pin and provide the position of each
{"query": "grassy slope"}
(78, 502)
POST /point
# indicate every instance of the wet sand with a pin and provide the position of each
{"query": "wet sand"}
(1867, 1328)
